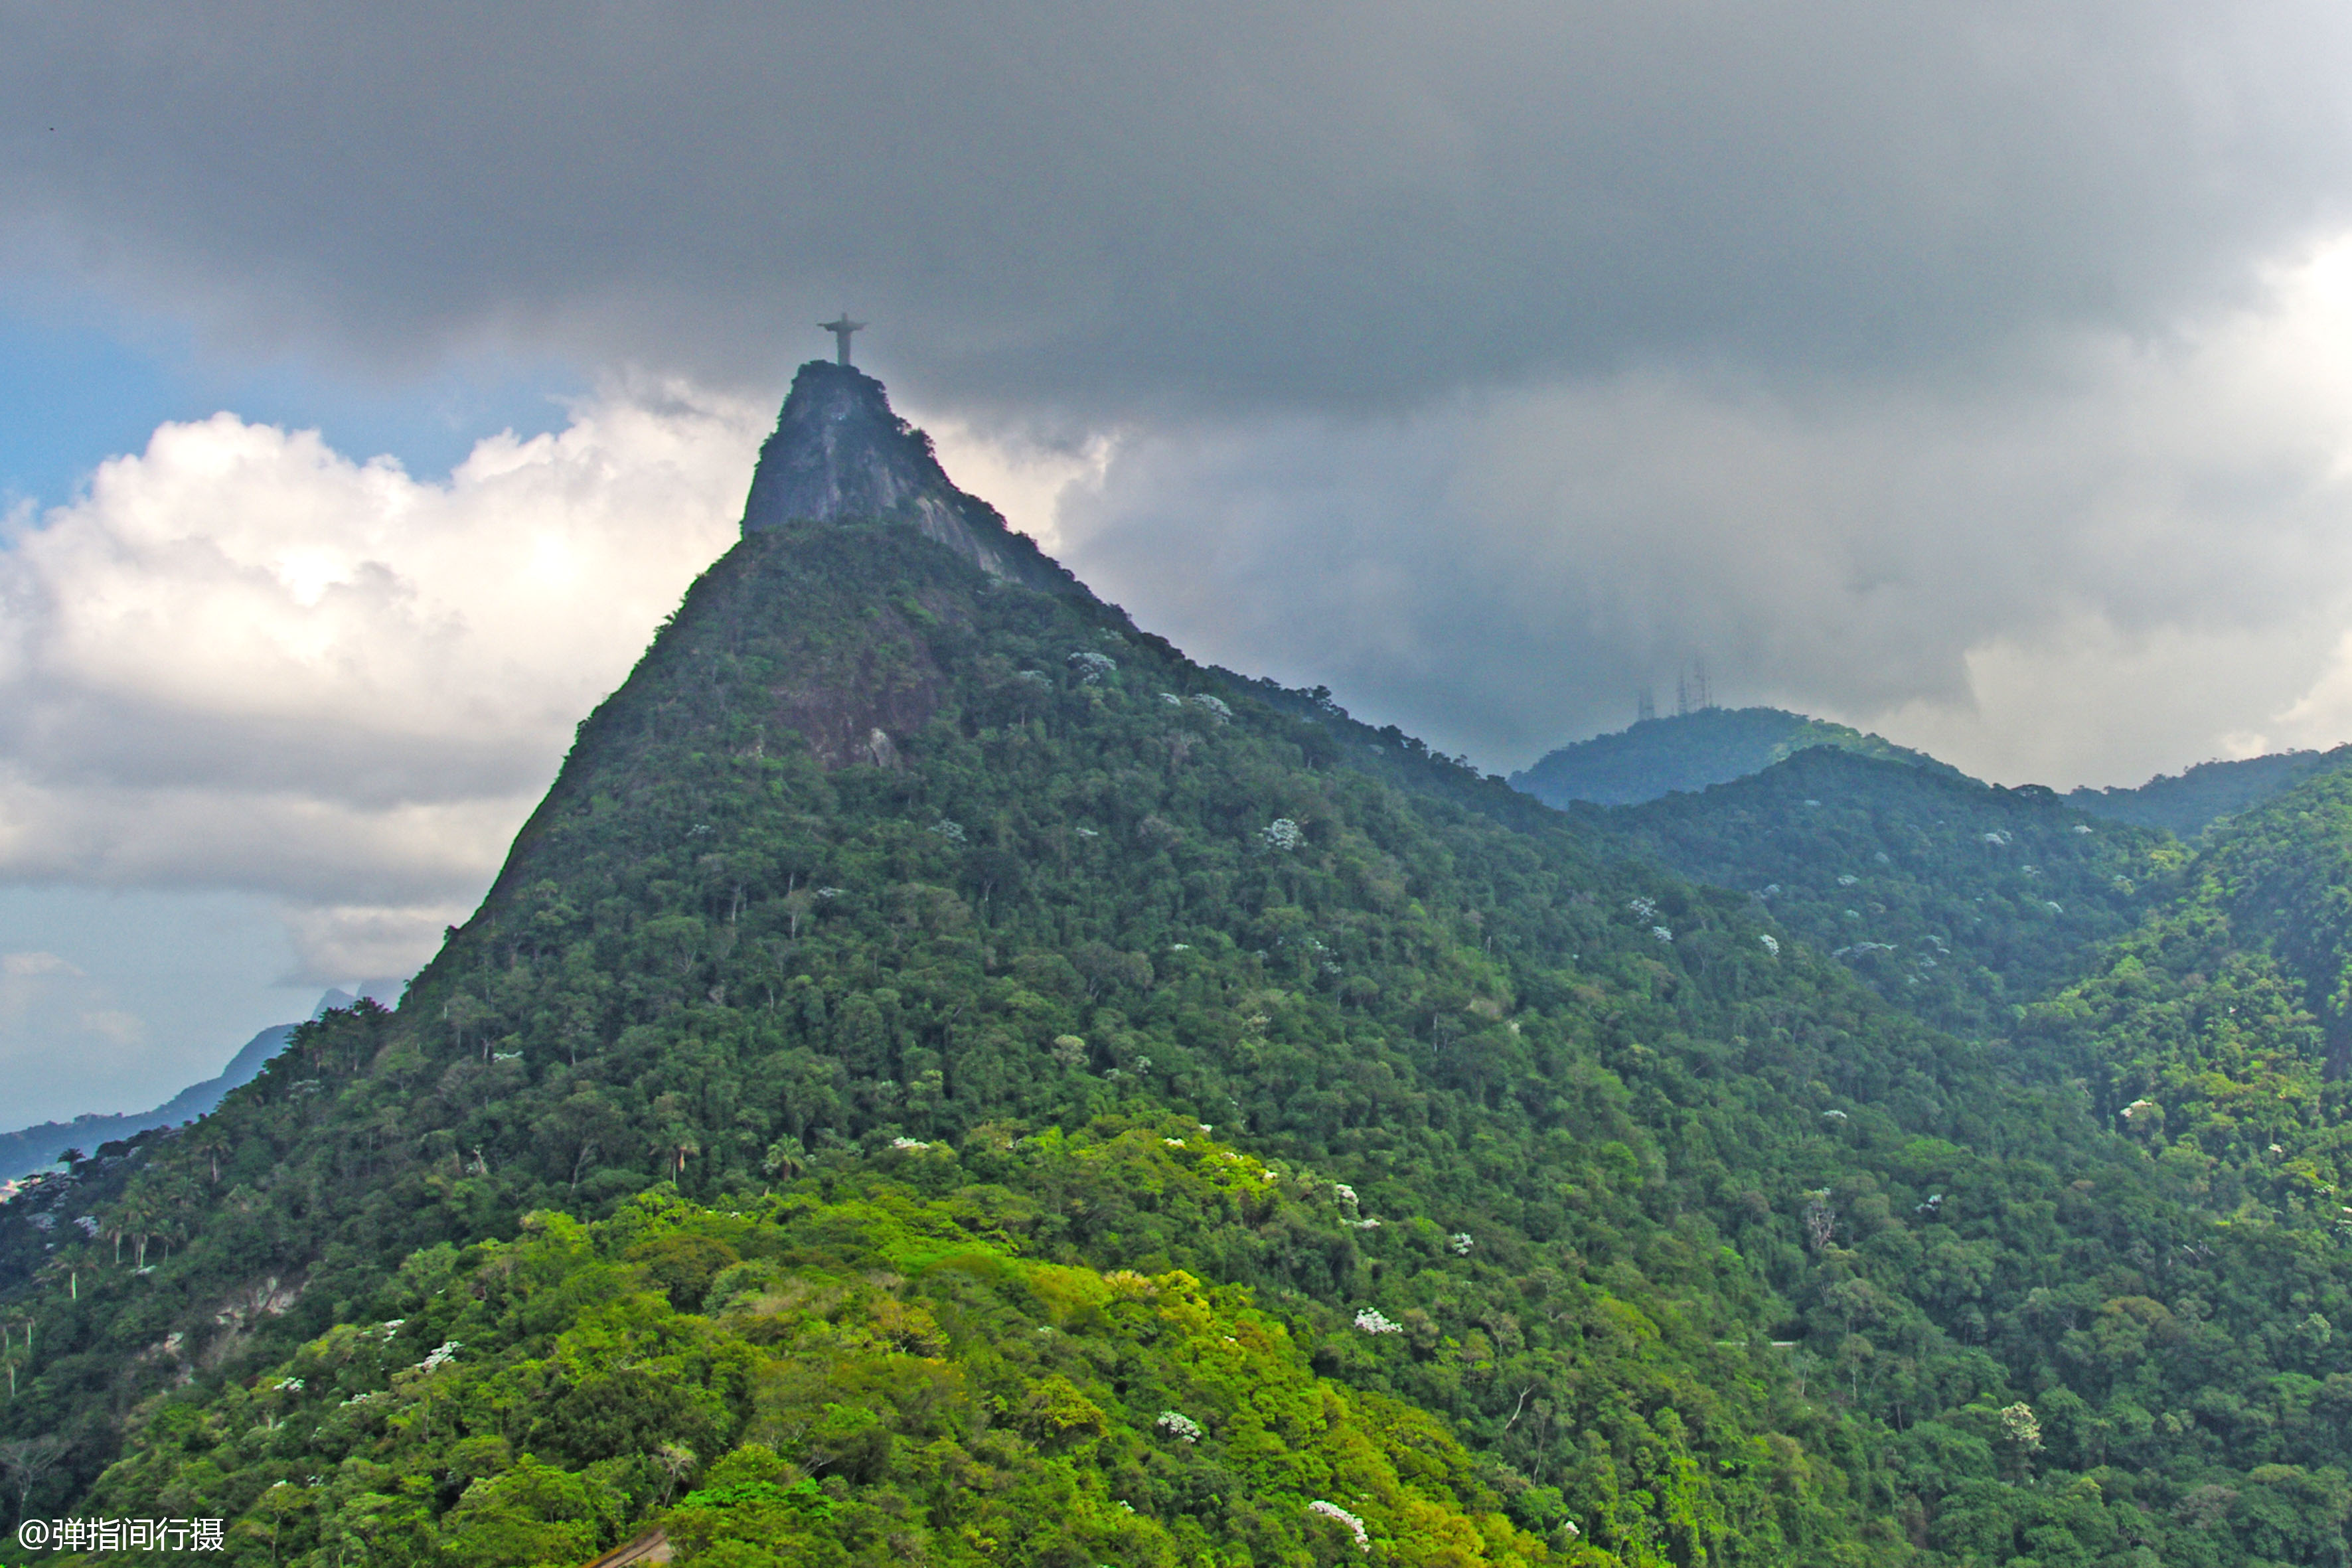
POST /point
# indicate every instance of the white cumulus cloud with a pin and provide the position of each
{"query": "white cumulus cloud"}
(244, 660)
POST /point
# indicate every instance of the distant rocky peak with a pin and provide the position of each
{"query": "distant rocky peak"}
(840, 453)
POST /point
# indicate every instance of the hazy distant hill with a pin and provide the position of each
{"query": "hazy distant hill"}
(2190, 804)
(30, 1148)
(1690, 752)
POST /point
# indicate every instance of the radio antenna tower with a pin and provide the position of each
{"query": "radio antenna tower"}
(1682, 694)
(1646, 707)
(1698, 679)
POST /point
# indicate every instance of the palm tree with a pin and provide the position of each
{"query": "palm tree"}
(677, 1461)
(140, 1213)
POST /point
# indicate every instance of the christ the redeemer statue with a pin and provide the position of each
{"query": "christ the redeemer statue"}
(841, 328)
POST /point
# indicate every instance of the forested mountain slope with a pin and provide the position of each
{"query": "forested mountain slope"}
(1690, 752)
(29, 1149)
(2188, 803)
(944, 1078)
(2220, 1034)
(1954, 899)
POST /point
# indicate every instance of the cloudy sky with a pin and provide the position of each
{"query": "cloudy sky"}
(372, 380)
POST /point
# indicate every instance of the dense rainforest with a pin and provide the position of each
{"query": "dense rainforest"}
(1955, 900)
(942, 1078)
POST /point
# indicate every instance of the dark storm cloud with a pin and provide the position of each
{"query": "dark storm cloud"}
(2136, 562)
(1141, 207)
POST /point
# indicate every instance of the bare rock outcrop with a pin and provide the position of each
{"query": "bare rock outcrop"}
(839, 453)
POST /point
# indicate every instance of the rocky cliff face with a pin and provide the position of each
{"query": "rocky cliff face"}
(839, 453)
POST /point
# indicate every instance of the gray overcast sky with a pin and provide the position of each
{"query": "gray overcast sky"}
(1981, 373)
(1119, 209)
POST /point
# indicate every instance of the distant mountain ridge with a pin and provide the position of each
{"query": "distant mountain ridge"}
(2190, 803)
(1691, 751)
(28, 1149)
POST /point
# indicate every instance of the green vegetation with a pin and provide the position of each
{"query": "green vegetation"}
(843, 1372)
(909, 962)
(2218, 1035)
(1690, 752)
(2205, 793)
(1953, 899)
(2188, 804)
(1082, 890)
(31, 1149)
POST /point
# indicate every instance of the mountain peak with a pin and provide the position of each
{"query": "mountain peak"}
(840, 453)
